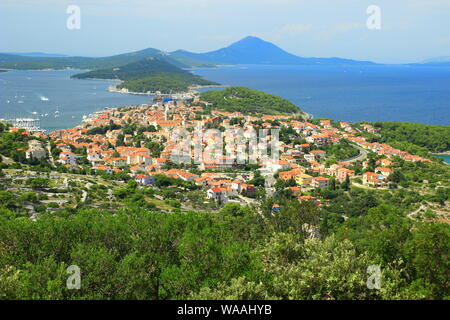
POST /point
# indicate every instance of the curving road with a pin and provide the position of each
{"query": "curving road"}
(360, 157)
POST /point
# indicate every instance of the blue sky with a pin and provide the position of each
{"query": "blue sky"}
(411, 30)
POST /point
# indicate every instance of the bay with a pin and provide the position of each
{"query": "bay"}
(348, 93)
(446, 157)
(25, 93)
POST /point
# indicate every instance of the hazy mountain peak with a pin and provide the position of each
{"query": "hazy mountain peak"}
(254, 50)
(251, 39)
(252, 42)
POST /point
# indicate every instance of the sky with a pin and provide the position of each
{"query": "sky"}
(411, 30)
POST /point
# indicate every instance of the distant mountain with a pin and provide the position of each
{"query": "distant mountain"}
(21, 62)
(253, 50)
(442, 59)
(250, 50)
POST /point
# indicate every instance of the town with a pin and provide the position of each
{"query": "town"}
(139, 142)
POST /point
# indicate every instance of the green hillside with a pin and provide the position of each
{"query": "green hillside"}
(248, 101)
(433, 138)
(142, 68)
(165, 82)
(13, 61)
(150, 74)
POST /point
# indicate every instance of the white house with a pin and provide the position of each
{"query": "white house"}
(218, 194)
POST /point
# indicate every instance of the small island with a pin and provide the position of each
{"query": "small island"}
(148, 76)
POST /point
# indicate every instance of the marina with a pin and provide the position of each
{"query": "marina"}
(28, 124)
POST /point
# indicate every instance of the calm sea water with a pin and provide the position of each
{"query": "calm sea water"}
(445, 157)
(352, 94)
(24, 92)
(356, 93)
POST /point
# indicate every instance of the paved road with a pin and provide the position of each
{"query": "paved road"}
(360, 157)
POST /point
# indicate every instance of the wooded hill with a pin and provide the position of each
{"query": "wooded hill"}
(246, 100)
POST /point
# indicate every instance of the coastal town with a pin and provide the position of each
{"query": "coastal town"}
(138, 142)
(221, 159)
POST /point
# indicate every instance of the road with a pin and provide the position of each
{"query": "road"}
(49, 149)
(415, 212)
(360, 157)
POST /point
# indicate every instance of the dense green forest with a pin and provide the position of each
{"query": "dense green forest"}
(415, 136)
(133, 248)
(230, 254)
(165, 82)
(248, 101)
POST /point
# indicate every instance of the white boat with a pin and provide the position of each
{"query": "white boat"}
(44, 98)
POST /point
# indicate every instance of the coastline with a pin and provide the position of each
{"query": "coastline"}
(196, 87)
(125, 90)
(99, 79)
(444, 153)
(191, 89)
(445, 156)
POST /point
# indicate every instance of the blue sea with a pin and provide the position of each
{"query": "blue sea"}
(356, 93)
(351, 93)
(25, 93)
(445, 157)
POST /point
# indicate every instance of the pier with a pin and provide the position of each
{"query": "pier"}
(28, 124)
